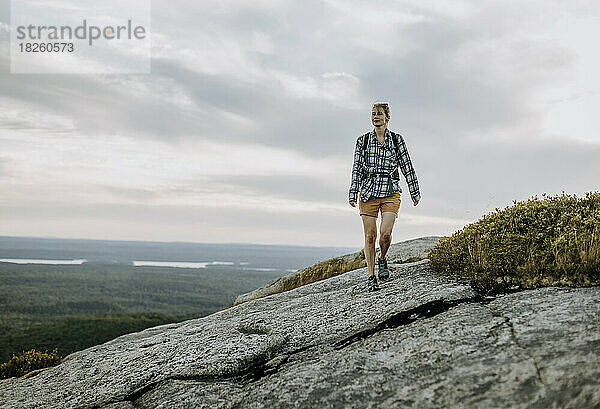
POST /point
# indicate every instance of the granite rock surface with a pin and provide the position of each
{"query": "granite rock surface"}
(397, 253)
(422, 341)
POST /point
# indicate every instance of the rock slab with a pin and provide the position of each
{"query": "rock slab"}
(397, 253)
(423, 341)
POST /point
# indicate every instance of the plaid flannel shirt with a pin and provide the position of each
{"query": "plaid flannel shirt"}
(374, 178)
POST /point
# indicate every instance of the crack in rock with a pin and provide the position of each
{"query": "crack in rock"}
(241, 377)
(253, 330)
(423, 311)
(516, 341)
(273, 366)
(258, 368)
(118, 405)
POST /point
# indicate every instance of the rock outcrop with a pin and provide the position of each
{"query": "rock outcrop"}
(423, 341)
(397, 253)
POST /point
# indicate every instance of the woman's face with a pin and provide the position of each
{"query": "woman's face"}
(378, 117)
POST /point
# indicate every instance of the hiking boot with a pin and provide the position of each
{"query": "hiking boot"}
(382, 269)
(372, 282)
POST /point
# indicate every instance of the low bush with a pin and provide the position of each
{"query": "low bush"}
(553, 241)
(28, 361)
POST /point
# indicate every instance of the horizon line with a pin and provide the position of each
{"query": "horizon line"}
(174, 242)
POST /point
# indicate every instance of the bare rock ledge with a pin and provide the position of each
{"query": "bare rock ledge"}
(397, 253)
(423, 341)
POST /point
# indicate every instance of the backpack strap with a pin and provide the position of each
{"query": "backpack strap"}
(396, 143)
(396, 175)
(364, 147)
(365, 142)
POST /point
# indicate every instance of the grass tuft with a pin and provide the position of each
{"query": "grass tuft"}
(325, 269)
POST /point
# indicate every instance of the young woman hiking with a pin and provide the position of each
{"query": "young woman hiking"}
(375, 178)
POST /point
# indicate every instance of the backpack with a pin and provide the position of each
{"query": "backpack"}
(395, 174)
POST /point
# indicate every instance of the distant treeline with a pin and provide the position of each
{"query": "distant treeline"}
(70, 307)
(280, 257)
(74, 334)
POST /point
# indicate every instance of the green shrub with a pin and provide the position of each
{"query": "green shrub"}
(555, 241)
(28, 361)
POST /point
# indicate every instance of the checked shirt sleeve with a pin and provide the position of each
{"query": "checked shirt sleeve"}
(408, 171)
(356, 171)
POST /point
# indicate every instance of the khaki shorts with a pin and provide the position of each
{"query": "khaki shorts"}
(386, 204)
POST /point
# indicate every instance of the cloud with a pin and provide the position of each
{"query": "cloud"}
(248, 121)
(16, 115)
(376, 28)
(302, 188)
(199, 224)
(4, 167)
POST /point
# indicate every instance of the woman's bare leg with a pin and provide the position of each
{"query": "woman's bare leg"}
(370, 228)
(385, 234)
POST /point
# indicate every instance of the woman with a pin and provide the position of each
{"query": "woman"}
(377, 156)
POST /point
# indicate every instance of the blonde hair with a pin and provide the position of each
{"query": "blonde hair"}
(385, 106)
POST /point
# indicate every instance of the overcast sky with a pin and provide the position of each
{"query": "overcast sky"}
(245, 128)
